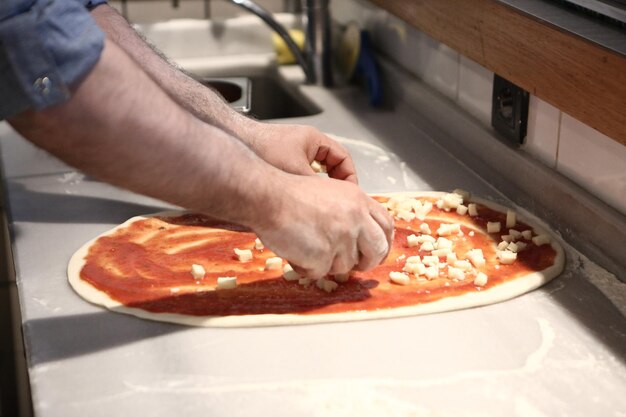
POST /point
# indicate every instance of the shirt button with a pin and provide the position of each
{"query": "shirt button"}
(42, 85)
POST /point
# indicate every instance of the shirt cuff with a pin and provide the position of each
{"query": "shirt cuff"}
(50, 47)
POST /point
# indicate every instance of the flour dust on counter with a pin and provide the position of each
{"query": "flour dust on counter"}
(450, 251)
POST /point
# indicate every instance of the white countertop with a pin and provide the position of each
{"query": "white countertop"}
(558, 351)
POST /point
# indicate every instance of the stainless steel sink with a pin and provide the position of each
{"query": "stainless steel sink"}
(262, 96)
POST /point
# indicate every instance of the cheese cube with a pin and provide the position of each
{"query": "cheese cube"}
(472, 210)
(425, 229)
(407, 216)
(503, 245)
(401, 257)
(461, 209)
(413, 259)
(432, 272)
(426, 238)
(481, 279)
(430, 260)
(305, 281)
(451, 258)
(540, 240)
(506, 257)
(515, 233)
(456, 273)
(452, 201)
(197, 271)
(318, 167)
(244, 255)
(527, 234)
(326, 285)
(464, 194)
(441, 252)
(399, 278)
(290, 274)
(463, 265)
(476, 257)
(493, 227)
(443, 243)
(274, 263)
(439, 204)
(447, 229)
(510, 218)
(471, 233)
(226, 283)
(416, 268)
(258, 245)
(507, 238)
(512, 247)
(412, 240)
(427, 246)
(520, 246)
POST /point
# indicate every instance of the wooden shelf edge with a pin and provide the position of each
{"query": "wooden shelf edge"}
(582, 79)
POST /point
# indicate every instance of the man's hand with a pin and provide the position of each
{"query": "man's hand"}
(325, 226)
(292, 148)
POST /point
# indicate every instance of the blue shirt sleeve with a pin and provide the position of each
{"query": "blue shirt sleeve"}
(46, 46)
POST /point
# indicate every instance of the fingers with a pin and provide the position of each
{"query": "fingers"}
(373, 245)
(338, 161)
(345, 259)
(384, 220)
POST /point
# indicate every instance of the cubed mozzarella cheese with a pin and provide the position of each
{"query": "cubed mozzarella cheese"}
(447, 229)
(326, 285)
(481, 279)
(471, 233)
(226, 283)
(244, 255)
(511, 218)
(540, 240)
(274, 263)
(318, 167)
(432, 272)
(464, 194)
(416, 268)
(520, 246)
(451, 258)
(456, 273)
(197, 271)
(527, 234)
(452, 201)
(512, 247)
(515, 233)
(506, 257)
(472, 210)
(507, 238)
(427, 246)
(425, 229)
(405, 215)
(258, 245)
(290, 274)
(476, 257)
(430, 260)
(463, 265)
(441, 252)
(443, 243)
(503, 245)
(412, 241)
(461, 209)
(305, 281)
(493, 227)
(413, 259)
(399, 278)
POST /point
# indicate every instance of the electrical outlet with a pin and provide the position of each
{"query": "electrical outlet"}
(509, 110)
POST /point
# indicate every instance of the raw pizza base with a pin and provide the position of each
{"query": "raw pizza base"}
(492, 295)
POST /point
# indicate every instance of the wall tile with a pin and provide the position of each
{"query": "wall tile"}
(542, 136)
(594, 161)
(475, 89)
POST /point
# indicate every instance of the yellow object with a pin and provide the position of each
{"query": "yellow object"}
(283, 54)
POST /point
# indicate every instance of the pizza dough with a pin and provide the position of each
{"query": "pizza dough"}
(467, 294)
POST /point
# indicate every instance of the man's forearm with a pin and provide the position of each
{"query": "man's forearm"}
(120, 127)
(200, 101)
